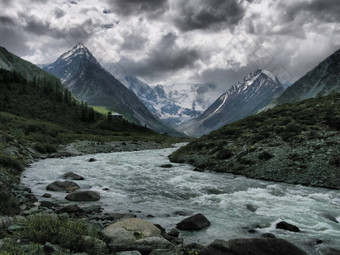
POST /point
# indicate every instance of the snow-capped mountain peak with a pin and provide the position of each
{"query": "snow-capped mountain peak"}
(78, 51)
(244, 98)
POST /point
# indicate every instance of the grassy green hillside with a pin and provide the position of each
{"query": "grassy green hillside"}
(11, 62)
(294, 143)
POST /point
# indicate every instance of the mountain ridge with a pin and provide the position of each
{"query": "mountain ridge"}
(173, 104)
(80, 72)
(320, 81)
(244, 98)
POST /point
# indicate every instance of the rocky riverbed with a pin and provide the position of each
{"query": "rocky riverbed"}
(111, 239)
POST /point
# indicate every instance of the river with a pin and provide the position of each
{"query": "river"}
(135, 182)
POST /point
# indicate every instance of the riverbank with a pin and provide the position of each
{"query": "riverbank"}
(293, 143)
(93, 215)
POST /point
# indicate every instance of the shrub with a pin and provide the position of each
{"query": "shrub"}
(11, 162)
(72, 234)
(224, 154)
(45, 148)
(265, 155)
(8, 204)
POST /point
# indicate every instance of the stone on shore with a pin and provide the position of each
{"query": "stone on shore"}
(166, 165)
(155, 243)
(263, 246)
(127, 231)
(72, 176)
(72, 208)
(68, 186)
(287, 226)
(83, 196)
(195, 222)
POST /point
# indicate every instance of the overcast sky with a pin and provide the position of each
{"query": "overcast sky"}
(168, 41)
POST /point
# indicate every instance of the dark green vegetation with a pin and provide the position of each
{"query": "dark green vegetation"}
(74, 235)
(10, 61)
(294, 143)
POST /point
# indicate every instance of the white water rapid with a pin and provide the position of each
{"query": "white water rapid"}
(135, 182)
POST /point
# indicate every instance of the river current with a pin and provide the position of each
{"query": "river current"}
(135, 182)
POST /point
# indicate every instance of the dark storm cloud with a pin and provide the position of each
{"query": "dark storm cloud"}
(76, 33)
(5, 20)
(13, 40)
(134, 41)
(131, 7)
(166, 57)
(206, 14)
(223, 79)
(325, 10)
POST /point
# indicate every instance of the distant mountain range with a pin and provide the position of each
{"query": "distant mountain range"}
(320, 81)
(174, 103)
(244, 98)
(81, 73)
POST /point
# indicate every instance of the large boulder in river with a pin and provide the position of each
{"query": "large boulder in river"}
(72, 176)
(195, 222)
(68, 186)
(254, 246)
(287, 226)
(129, 230)
(83, 196)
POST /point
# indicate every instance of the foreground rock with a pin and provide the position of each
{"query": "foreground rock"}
(252, 247)
(68, 186)
(83, 196)
(129, 230)
(287, 226)
(72, 176)
(195, 222)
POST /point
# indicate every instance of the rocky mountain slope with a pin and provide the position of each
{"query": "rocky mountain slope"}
(80, 72)
(244, 98)
(320, 81)
(174, 103)
(294, 143)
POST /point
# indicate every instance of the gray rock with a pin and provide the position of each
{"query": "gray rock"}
(166, 165)
(5, 222)
(287, 226)
(256, 246)
(126, 231)
(92, 209)
(72, 208)
(195, 222)
(164, 252)
(155, 242)
(119, 236)
(68, 186)
(85, 196)
(47, 195)
(92, 160)
(174, 232)
(47, 204)
(129, 253)
(72, 176)
(251, 207)
(268, 235)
